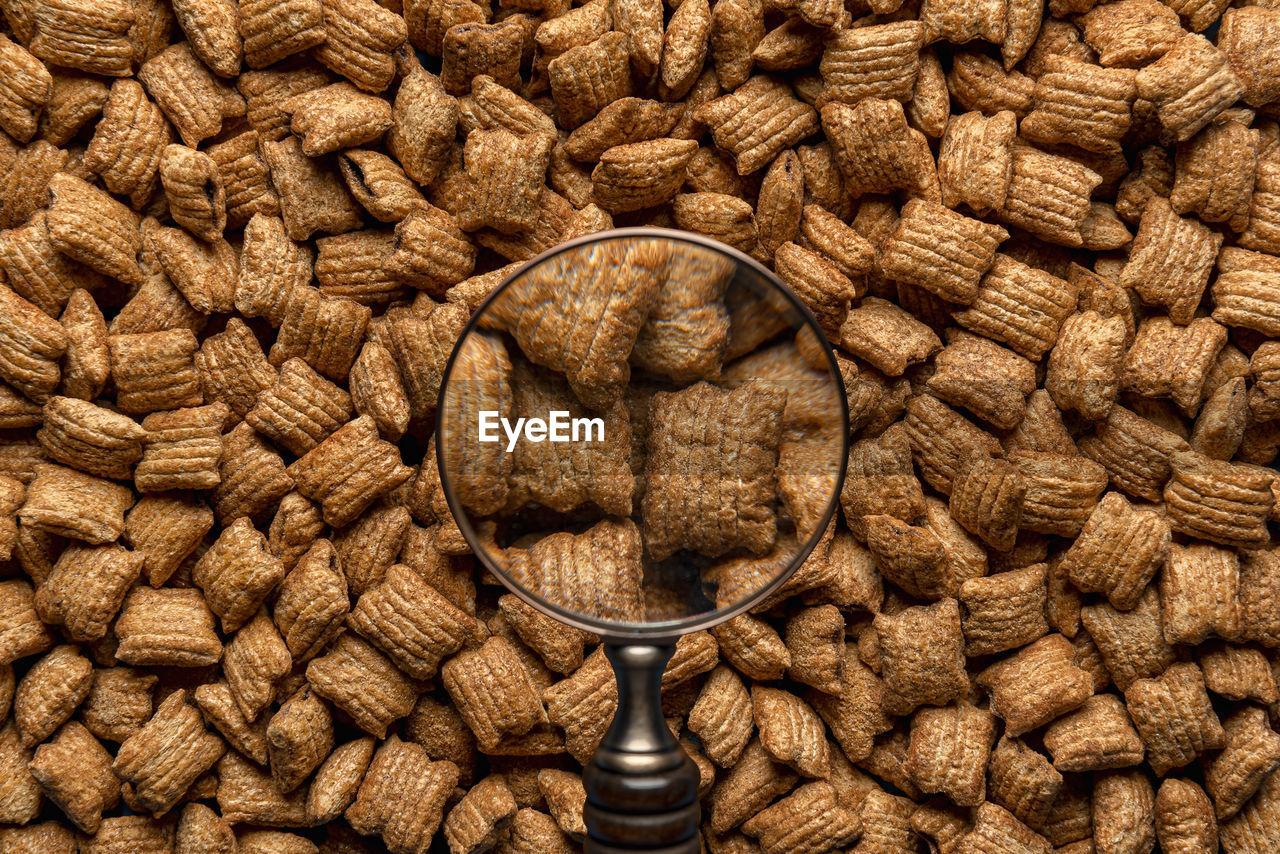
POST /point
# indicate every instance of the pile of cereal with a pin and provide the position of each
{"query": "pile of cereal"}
(240, 240)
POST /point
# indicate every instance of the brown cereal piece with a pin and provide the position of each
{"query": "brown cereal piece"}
(266, 92)
(204, 273)
(36, 271)
(335, 117)
(137, 833)
(237, 573)
(336, 782)
(86, 588)
(426, 119)
(167, 628)
(431, 253)
(855, 714)
(724, 217)
(299, 737)
(1198, 590)
(296, 524)
(20, 795)
(877, 152)
(1085, 365)
(301, 410)
(565, 797)
(978, 82)
(886, 336)
(1062, 490)
(1080, 103)
(247, 794)
(1216, 198)
(74, 770)
(1123, 812)
(1118, 551)
(74, 100)
(90, 438)
(155, 370)
(12, 494)
(880, 61)
(560, 648)
(275, 29)
(219, 707)
(753, 647)
(985, 378)
(930, 104)
(754, 781)
(1246, 39)
(819, 283)
(128, 142)
(377, 390)
(1184, 818)
(1048, 195)
(118, 704)
(474, 48)
(1237, 672)
(975, 162)
(1264, 365)
(439, 728)
(499, 197)
(490, 105)
(911, 557)
(1189, 85)
(824, 186)
(274, 842)
(1253, 831)
(1037, 684)
(886, 825)
(640, 174)
(684, 49)
(809, 819)
(403, 797)
(62, 35)
(183, 449)
(533, 832)
(477, 822)
(362, 682)
(757, 407)
(789, 47)
(1130, 34)
(242, 166)
(685, 334)
(828, 235)
(1259, 577)
(192, 99)
(736, 28)
(194, 190)
(1131, 642)
(349, 470)
(1219, 501)
(252, 476)
(1022, 781)
(987, 498)
(583, 705)
(90, 227)
(312, 198)
(1152, 175)
(28, 86)
(941, 438)
(620, 122)
(922, 656)
(1174, 717)
(360, 40)
(1246, 299)
(1251, 751)
(1004, 611)
(201, 829)
(31, 343)
(949, 750)
(255, 659)
(1170, 260)
(493, 692)
(212, 28)
(939, 250)
(369, 546)
(412, 623)
(778, 121)
(21, 631)
(790, 731)
(879, 480)
(49, 693)
(379, 184)
(941, 823)
(1134, 451)
(996, 829)
(166, 756)
(958, 23)
(721, 717)
(1097, 736)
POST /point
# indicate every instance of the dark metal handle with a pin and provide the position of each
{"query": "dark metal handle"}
(642, 789)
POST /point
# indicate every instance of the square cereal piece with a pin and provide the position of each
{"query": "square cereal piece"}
(250, 739)
(1219, 501)
(301, 410)
(1173, 715)
(251, 474)
(722, 717)
(1023, 781)
(880, 61)
(248, 795)
(128, 142)
(1134, 451)
(155, 370)
(237, 573)
(183, 449)
(985, 378)
(1251, 752)
(1097, 736)
(413, 624)
(1189, 85)
(1198, 594)
(138, 833)
(910, 556)
(756, 408)
(1020, 306)
(790, 731)
(987, 498)
(62, 35)
(876, 150)
(949, 751)
(757, 121)
(640, 175)
(275, 29)
(493, 692)
(995, 829)
(335, 117)
(255, 659)
(886, 825)
(808, 819)
(880, 480)
(403, 797)
(1170, 260)
(975, 161)
(583, 703)
(191, 97)
(22, 632)
(1062, 490)
(242, 166)
(1184, 817)
(499, 197)
(119, 703)
(1131, 33)
(31, 343)
(753, 783)
(1085, 364)
(564, 476)
(360, 41)
(161, 761)
(1004, 611)
(74, 770)
(362, 682)
(1201, 187)
(167, 628)
(1082, 104)
(1259, 589)
(232, 367)
(944, 252)
(586, 78)
(312, 198)
(886, 336)
(922, 655)
(941, 439)
(561, 650)
(349, 471)
(1131, 643)
(617, 279)
(1118, 551)
(1238, 672)
(1049, 196)
(1037, 684)
(86, 588)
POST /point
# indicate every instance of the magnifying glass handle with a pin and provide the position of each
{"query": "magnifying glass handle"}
(642, 788)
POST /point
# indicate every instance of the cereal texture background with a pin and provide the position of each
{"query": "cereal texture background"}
(238, 241)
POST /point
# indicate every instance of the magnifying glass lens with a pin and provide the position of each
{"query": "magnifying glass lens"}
(642, 431)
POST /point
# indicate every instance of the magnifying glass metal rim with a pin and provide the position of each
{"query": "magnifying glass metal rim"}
(665, 630)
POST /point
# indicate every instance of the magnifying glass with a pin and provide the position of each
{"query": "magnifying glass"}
(642, 433)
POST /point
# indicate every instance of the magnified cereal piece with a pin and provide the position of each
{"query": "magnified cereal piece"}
(247, 794)
(1037, 684)
(1097, 736)
(22, 632)
(1174, 717)
(1189, 85)
(243, 169)
(949, 750)
(360, 40)
(166, 756)
(275, 29)
(252, 476)
(1134, 451)
(74, 770)
(63, 35)
(1118, 551)
(1219, 501)
(597, 573)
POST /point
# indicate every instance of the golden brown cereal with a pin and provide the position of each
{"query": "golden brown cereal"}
(736, 28)
(975, 162)
(252, 476)
(183, 449)
(432, 253)
(1048, 195)
(987, 498)
(243, 170)
(876, 61)
(21, 631)
(1123, 812)
(950, 747)
(155, 370)
(886, 336)
(411, 622)
(192, 99)
(1131, 33)
(337, 116)
(275, 29)
(922, 655)
(1004, 611)
(1062, 490)
(86, 588)
(752, 784)
(1189, 85)
(1131, 642)
(1118, 551)
(35, 269)
(978, 82)
(74, 770)
(335, 785)
(1198, 589)
(726, 218)
(295, 525)
(1080, 103)
(360, 40)
(163, 758)
(1085, 364)
(777, 121)
(195, 192)
(349, 470)
(362, 682)
(167, 627)
(1097, 736)
(20, 795)
(985, 378)
(583, 705)
(219, 707)
(477, 822)
(810, 819)
(377, 390)
(201, 829)
(402, 797)
(299, 737)
(247, 794)
(886, 824)
(996, 829)
(1037, 684)
(119, 703)
(65, 36)
(941, 438)
(312, 198)
(139, 833)
(565, 797)
(237, 573)
(1170, 260)
(90, 438)
(301, 410)
(254, 660)
(1173, 715)
(559, 647)
(426, 119)
(26, 89)
(1219, 501)
(1250, 753)
(368, 547)
(1184, 818)
(494, 50)
(49, 693)
(1134, 451)
(1022, 781)
(1237, 672)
